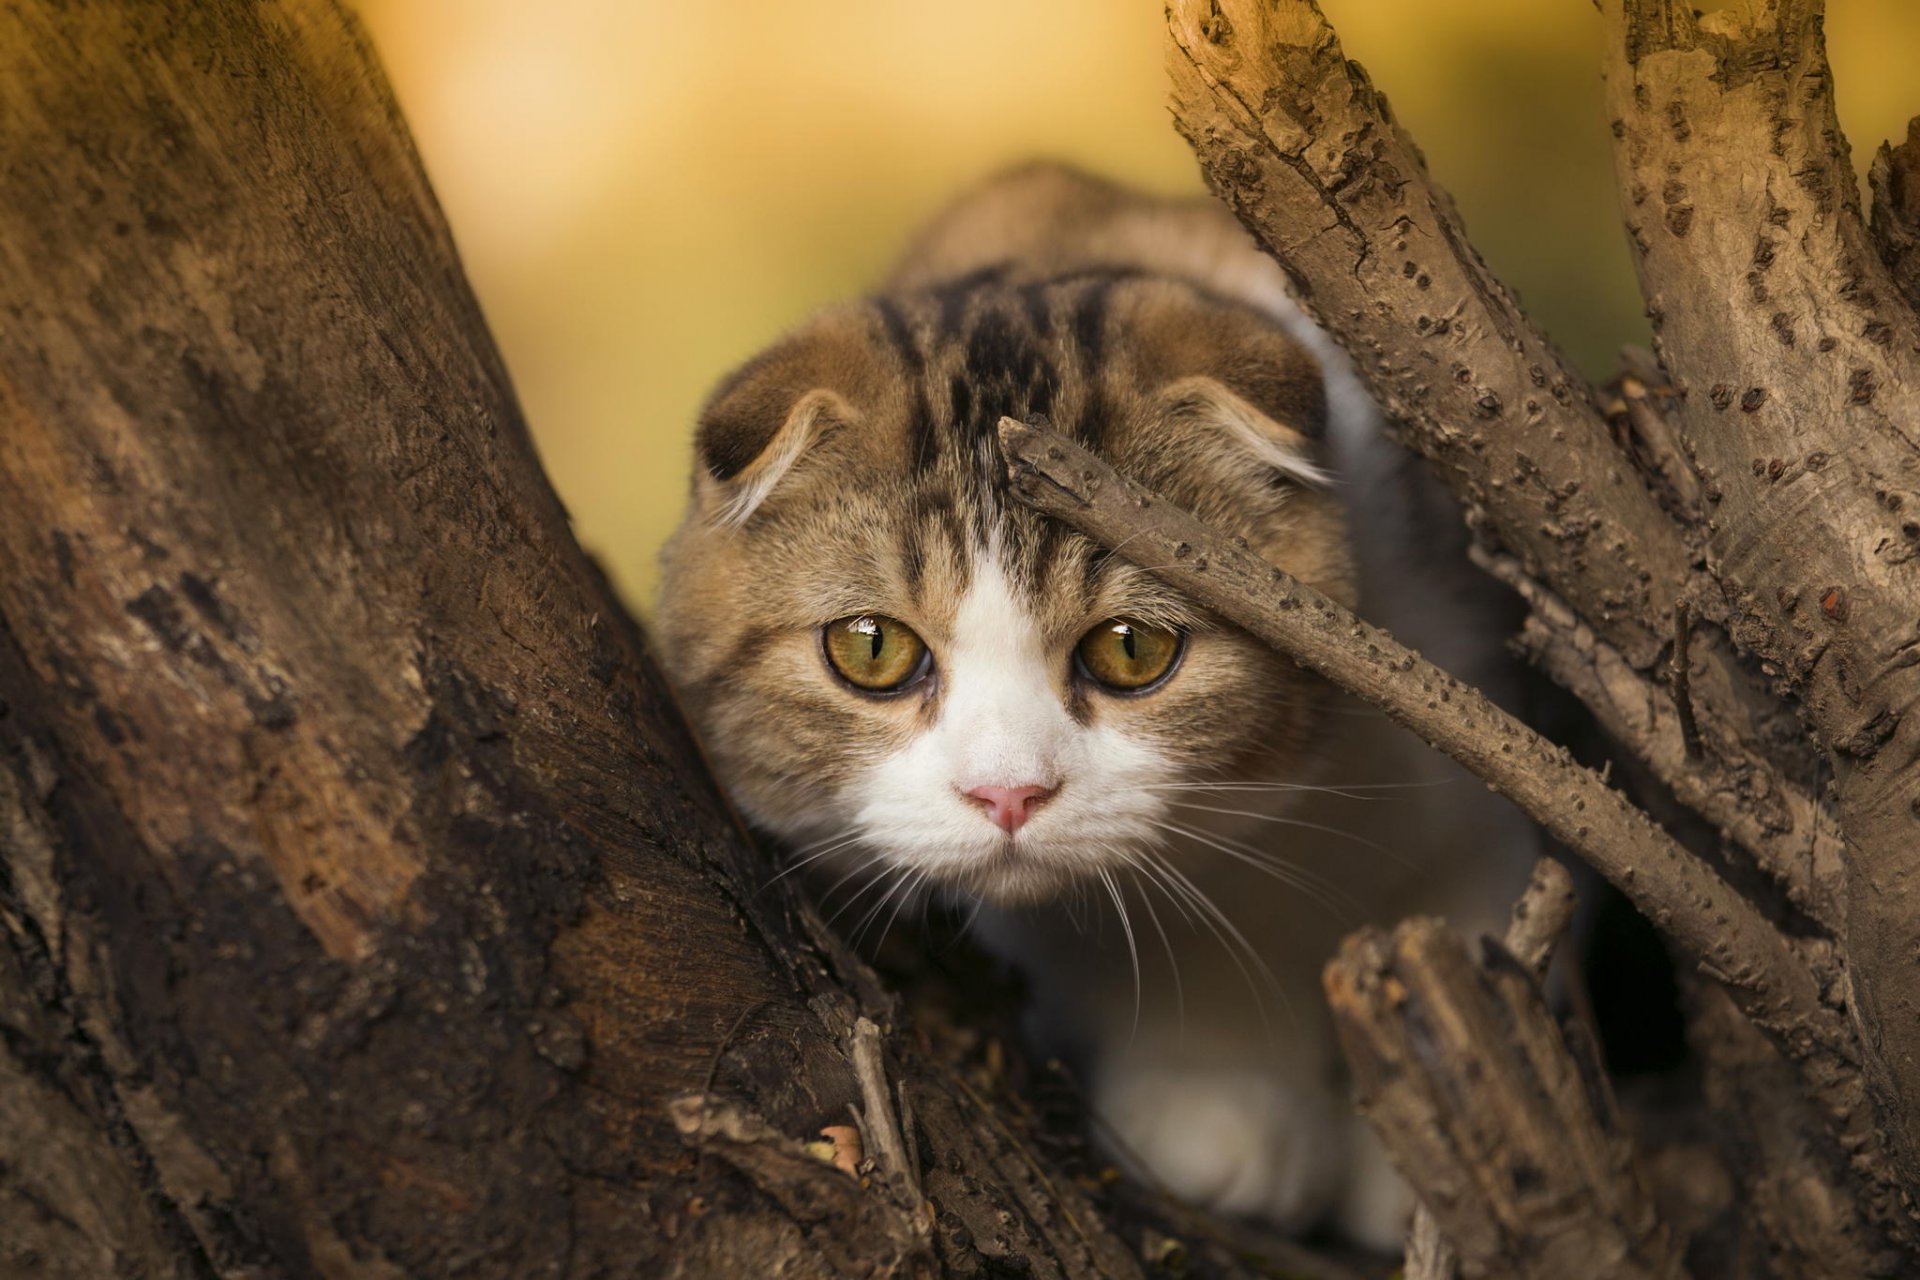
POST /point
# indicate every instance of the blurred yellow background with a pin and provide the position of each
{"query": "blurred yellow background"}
(646, 192)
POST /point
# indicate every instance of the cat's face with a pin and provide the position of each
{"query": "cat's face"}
(891, 659)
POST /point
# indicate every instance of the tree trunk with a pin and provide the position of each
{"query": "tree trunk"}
(365, 902)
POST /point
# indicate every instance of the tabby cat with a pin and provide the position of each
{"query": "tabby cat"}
(900, 672)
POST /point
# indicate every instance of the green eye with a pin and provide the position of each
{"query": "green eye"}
(875, 653)
(1128, 657)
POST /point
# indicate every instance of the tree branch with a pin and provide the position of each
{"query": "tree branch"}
(1540, 917)
(1713, 925)
(1798, 1191)
(363, 896)
(1294, 139)
(1785, 830)
(1291, 135)
(1796, 357)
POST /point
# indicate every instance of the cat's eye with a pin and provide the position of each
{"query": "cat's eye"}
(1127, 656)
(875, 653)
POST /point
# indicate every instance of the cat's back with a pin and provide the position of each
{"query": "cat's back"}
(1045, 219)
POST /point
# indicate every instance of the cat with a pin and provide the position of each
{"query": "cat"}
(898, 669)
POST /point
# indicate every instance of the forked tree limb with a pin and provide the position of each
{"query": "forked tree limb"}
(1785, 830)
(1712, 924)
(1295, 140)
(1798, 359)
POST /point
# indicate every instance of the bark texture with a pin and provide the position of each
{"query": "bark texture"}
(1718, 557)
(1797, 356)
(363, 902)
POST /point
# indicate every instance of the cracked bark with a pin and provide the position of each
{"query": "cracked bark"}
(1283, 125)
(1511, 1137)
(363, 900)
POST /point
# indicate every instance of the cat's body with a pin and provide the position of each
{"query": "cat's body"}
(891, 659)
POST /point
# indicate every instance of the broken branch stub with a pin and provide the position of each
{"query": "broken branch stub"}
(1508, 1142)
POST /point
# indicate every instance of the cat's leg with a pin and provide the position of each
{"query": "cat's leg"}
(1237, 1139)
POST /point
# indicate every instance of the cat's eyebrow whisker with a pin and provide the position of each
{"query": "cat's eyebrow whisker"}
(1323, 891)
(1108, 553)
(1397, 858)
(1133, 951)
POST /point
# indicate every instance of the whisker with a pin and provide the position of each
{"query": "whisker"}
(1216, 921)
(1397, 858)
(1133, 952)
(1352, 790)
(810, 858)
(879, 877)
(1166, 943)
(872, 913)
(909, 886)
(1321, 890)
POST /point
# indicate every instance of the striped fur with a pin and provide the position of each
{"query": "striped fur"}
(853, 468)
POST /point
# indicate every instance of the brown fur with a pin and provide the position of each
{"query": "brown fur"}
(1046, 293)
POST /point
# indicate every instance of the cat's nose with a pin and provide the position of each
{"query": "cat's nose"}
(1010, 807)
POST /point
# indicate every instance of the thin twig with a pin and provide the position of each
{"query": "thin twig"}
(1540, 915)
(880, 1126)
(1711, 922)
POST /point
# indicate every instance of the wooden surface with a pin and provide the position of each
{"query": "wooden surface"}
(365, 904)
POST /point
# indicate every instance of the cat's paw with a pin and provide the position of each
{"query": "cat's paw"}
(1237, 1141)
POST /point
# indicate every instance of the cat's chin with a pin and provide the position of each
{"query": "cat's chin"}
(1007, 878)
(1028, 888)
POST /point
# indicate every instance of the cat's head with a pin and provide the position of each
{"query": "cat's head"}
(890, 658)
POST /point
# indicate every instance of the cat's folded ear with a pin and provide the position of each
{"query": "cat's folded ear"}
(776, 411)
(1271, 448)
(1233, 373)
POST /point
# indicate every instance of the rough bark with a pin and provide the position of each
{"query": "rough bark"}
(1780, 825)
(1513, 1142)
(368, 911)
(1294, 138)
(364, 902)
(1759, 487)
(1799, 363)
(1798, 1191)
(1540, 918)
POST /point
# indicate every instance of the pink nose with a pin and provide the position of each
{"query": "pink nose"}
(1010, 807)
